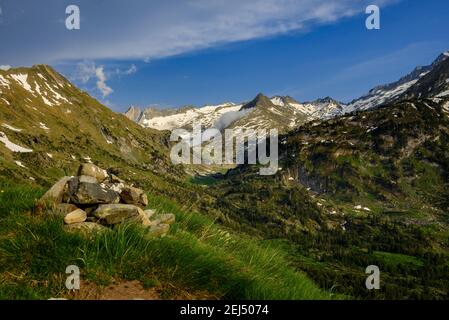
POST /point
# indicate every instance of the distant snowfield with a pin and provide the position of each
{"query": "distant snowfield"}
(378, 97)
(12, 146)
(208, 116)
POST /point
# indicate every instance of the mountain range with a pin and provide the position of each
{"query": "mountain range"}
(285, 113)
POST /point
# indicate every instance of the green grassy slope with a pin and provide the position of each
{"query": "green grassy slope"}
(65, 127)
(42, 111)
(197, 256)
(366, 188)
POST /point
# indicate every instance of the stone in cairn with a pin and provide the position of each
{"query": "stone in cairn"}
(131, 195)
(87, 193)
(56, 193)
(91, 170)
(86, 228)
(111, 214)
(76, 216)
(158, 231)
(167, 218)
(93, 201)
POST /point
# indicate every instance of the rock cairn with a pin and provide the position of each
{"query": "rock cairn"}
(94, 200)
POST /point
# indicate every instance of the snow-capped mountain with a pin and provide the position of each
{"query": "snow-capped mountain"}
(218, 116)
(285, 113)
(325, 108)
(262, 112)
(435, 84)
(427, 81)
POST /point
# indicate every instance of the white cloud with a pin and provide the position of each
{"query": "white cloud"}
(101, 82)
(150, 30)
(5, 67)
(87, 70)
(125, 72)
(132, 69)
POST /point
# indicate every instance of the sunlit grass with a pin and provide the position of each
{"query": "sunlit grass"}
(197, 254)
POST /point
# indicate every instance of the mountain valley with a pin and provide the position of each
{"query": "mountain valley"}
(359, 184)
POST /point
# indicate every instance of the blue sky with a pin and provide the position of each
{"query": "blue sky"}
(195, 52)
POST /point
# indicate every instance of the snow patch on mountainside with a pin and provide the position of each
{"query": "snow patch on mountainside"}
(446, 107)
(307, 108)
(22, 79)
(7, 126)
(20, 164)
(4, 82)
(443, 94)
(378, 97)
(48, 103)
(277, 101)
(207, 115)
(43, 126)
(12, 146)
(56, 95)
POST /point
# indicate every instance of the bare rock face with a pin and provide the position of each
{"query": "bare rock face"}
(85, 193)
(56, 193)
(111, 214)
(91, 170)
(131, 195)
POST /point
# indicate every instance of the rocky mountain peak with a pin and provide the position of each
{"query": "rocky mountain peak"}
(259, 101)
(325, 100)
(133, 113)
(423, 81)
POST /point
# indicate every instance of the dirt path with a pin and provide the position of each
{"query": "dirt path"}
(124, 290)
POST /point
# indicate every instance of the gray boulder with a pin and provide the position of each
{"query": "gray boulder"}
(86, 228)
(131, 195)
(56, 193)
(88, 179)
(91, 170)
(111, 214)
(85, 193)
